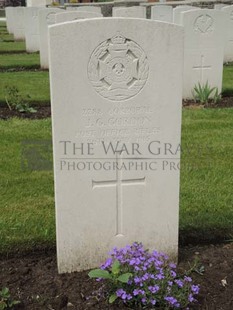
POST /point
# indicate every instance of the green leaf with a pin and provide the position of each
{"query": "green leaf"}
(3, 305)
(112, 298)
(5, 291)
(99, 273)
(116, 267)
(124, 278)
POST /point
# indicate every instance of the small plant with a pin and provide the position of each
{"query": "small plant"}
(54, 3)
(6, 301)
(140, 278)
(206, 94)
(15, 101)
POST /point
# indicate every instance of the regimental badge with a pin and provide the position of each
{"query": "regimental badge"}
(204, 24)
(118, 68)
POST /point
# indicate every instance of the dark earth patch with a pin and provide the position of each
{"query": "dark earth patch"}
(42, 112)
(45, 111)
(33, 279)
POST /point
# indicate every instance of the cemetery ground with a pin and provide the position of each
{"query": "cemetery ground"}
(27, 221)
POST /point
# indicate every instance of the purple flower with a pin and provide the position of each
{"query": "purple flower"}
(138, 292)
(153, 301)
(144, 300)
(191, 298)
(187, 279)
(172, 301)
(120, 292)
(173, 273)
(172, 265)
(107, 264)
(153, 289)
(179, 283)
(195, 289)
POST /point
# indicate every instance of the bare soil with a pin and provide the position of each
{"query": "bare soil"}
(33, 279)
(45, 110)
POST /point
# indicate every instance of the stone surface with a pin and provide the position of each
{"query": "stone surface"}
(46, 18)
(38, 3)
(109, 80)
(73, 15)
(162, 13)
(10, 19)
(94, 9)
(219, 6)
(228, 29)
(133, 11)
(178, 10)
(19, 20)
(32, 29)
(203, 49)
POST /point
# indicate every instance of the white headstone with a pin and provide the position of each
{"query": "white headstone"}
(162, 13)
(228, 53)
(19, 19)
(203, 49)
(109, 86)
(38, 3)
(178, 10)
(219, 6)
(10, 18)
(46, 18)
(133, 11)
(95, 9)
(73, 15)
(32, 29)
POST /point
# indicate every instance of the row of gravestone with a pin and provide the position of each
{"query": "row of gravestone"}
(116, 94)
(208, 35)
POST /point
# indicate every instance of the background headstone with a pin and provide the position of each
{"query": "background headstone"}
(73, 15)
(133, 11)
(203, 49)
(219, 6)
(178, 10)
(19, 19)
(32, 29)
(162, 13)
(228, 53)
(109, 82)
(95, 9)
(10, 18)
(46, 18)
(38, 3)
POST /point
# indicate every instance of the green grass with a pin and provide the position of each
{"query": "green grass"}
(11, 47)
(31, 60)
(207, 175)
(206, 200)
(27, 198)
(228, 80)
(35, 84)
(27, 203)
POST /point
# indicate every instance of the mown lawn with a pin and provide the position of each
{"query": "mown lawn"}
(27, 203)
(206, 200)
(27, 198)
(25, 60)
(34, 84)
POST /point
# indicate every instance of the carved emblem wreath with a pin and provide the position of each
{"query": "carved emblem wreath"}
(118, 68)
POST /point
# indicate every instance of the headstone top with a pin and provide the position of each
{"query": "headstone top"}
(133, 11)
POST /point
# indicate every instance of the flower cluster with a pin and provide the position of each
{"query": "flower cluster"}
(152, 280)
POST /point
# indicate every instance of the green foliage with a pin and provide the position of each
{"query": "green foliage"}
(115, 276)
(15, 101)
(138, 277)
(205, 94)
(6, 301)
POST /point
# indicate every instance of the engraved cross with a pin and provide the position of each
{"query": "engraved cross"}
(202, 67)
(118, 183)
